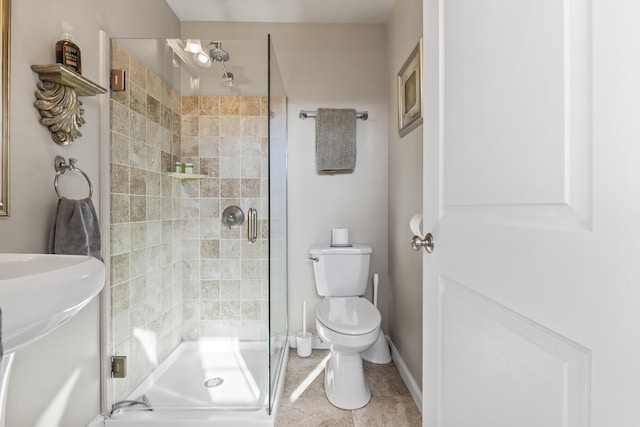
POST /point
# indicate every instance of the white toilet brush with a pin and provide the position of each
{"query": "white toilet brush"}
(379, 352)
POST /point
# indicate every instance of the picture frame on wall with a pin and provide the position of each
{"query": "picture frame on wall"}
(410, 92)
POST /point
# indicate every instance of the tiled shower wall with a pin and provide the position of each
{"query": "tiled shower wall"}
(177, 273)
(146, 229)
(225, 286)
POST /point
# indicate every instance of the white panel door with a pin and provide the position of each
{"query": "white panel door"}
(532, 193)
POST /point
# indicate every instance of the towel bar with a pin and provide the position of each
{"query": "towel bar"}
(62, 166)
(307, 114)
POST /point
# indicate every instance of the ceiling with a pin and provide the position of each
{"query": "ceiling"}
(317, 11)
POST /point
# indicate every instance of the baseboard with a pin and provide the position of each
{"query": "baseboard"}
(403, 369)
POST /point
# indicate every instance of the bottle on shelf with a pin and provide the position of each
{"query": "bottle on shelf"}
(67, 52)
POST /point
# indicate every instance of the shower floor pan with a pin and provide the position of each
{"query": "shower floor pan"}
(206, 383)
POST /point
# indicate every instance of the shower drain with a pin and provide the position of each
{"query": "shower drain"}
(213, 382)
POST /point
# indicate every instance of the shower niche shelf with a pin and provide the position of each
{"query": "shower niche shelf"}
(56, 100)
(181, 175)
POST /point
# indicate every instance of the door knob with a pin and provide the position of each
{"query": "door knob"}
(426, 243)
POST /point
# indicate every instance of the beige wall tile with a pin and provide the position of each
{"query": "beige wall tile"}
(119, 268)
(210, 289)
(210, 106)
(210, 248)
(119, 118)
(138, 208)
(119, 298)
(230, 146)
(209, 146)
(153, 109)
(229, 106)
(230, 125)
(229, 188)
(119, 208)
(154, 85)
(138, 181)
(138, 101)
(210, 167)
(209, 126)
(190, 106)
(250, 105)
(190, 126)
(138, 73)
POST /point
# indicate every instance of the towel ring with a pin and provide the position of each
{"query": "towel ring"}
(62, 167)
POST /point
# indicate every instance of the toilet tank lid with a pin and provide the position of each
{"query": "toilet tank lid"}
(327, 249)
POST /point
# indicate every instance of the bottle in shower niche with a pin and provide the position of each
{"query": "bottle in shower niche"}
(67, 52)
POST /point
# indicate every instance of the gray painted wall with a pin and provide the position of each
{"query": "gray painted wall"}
(404, 29)
(68, 395)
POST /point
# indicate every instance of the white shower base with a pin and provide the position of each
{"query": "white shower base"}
(176, 389)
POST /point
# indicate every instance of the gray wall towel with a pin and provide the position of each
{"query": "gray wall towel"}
(335, 139)
(75, 229)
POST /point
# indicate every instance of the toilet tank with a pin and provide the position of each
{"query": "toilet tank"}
(340, 271)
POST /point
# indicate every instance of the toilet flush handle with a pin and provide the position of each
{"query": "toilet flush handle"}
(314, 259)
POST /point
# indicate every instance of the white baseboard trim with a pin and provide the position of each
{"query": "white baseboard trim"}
(403, 369)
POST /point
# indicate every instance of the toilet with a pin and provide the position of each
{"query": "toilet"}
(348, 323)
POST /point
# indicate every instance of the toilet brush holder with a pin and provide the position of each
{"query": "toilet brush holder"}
(303, 344)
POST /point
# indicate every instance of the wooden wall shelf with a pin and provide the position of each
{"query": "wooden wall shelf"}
(56, 100)
(58, 73)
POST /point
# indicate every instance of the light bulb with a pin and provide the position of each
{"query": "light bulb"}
(193, 46)
(202, 59)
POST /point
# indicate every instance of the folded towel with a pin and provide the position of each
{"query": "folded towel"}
(335, 139)
(75, 229)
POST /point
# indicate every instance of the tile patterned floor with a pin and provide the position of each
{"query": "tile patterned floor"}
(304, 403)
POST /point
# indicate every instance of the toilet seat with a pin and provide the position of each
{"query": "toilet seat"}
(348, 316)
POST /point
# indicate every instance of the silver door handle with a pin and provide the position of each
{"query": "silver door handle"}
(252, 225)
(426, 243)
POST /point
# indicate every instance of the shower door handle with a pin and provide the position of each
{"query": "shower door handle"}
(252, 225)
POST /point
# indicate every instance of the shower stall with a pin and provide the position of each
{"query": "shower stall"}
(198, 229)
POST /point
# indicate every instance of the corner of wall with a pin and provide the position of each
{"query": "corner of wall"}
(404, 30)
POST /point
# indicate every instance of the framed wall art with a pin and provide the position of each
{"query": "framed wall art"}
(410, 92)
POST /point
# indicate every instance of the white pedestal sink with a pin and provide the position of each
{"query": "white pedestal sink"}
(38, 293)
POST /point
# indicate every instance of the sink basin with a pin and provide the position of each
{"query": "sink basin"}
(39, 292)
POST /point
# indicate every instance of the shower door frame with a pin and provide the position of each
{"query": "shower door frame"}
(274, 375)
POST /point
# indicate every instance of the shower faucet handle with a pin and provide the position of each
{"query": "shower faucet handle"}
(232, 217)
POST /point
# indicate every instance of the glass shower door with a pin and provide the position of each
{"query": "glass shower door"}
(182, 282)
(277, 224)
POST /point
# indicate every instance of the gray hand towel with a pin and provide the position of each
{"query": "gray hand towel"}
(335, 139)
(75, 229)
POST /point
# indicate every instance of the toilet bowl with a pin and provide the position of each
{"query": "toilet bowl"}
(350, 326)
(348, 323)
